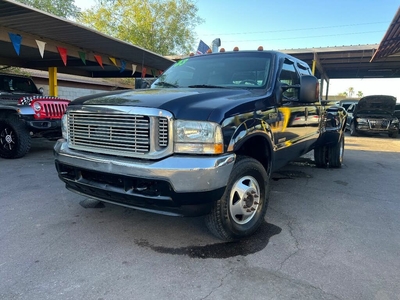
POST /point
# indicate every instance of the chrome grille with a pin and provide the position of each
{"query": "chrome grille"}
(163, 132)
(128, 131)
(379, 124)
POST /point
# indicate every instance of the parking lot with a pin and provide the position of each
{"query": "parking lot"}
(329, 234)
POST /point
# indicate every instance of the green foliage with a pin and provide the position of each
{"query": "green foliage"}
(165, 27)
(61, 8)
(13, 70)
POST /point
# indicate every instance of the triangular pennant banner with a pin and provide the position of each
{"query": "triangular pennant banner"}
(123, 66)
(113, 60)
(41, 46)
(133, 69)
(63, 54)
(82, 55)
(144, 72)
(99, 60)
(16, 41)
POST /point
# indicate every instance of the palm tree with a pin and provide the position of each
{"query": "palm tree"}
(360, 94)
(351, 91)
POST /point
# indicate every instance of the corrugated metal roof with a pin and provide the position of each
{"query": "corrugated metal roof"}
(390, 43)
(33, 24)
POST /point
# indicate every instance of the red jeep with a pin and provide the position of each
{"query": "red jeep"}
(25, 113)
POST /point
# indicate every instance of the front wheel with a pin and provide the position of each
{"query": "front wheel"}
(242, 208)
(393, 134)
(15, 140)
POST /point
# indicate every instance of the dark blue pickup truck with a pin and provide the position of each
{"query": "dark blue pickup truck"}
(202, 140)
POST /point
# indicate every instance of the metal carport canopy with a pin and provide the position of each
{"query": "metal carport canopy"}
(32, 25)
(362, 61)
(359, 61)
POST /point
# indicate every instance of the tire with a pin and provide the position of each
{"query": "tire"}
(394, 134)
(353, 131)
(15, 140)
(321, 157)
(335, 154)
(242, 208)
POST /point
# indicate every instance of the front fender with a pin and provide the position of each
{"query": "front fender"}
(246, 130)
(21, 110)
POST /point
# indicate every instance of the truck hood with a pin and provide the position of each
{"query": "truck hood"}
(15, 96)
(195, 104)
(377, 103)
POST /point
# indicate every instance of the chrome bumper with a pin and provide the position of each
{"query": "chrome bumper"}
(185, 173)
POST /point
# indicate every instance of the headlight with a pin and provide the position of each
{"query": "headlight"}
(197, 137)
(362, 120)
(37, 106)
(64, 126)
(395, 121)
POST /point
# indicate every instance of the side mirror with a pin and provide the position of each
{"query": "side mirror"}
(309, 90)
(41, 90)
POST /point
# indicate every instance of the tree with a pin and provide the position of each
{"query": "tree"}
(165, 27)
(360, 94)
(344, 94)
(351, 91)
(61, 8)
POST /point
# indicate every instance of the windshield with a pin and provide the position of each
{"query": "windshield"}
(13, 84)
(222, 70)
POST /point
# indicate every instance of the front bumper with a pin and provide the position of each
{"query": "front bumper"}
(177, 185)
(367, 128)
(44, 124)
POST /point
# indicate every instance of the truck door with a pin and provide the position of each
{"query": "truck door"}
(301, 120)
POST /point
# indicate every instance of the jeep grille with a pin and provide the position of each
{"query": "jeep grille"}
(121, 134)
(54, 110)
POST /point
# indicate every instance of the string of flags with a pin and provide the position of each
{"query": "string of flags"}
(16, 40)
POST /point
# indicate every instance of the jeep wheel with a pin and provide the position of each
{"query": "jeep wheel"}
(242, 208)
(15, 140)
(353, 131)
(321, 157)
(336, 154)
(393, 134)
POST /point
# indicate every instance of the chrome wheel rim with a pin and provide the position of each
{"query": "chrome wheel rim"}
(244, 200)
(7, 139)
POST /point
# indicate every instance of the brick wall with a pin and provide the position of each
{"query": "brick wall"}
(71, 93)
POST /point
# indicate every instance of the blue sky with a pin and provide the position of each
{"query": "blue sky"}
(294, 24)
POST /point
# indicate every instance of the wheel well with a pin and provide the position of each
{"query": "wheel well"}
(257, 148)
(6, 112)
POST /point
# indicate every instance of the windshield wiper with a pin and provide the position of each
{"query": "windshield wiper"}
(166, 84)
(207, 86)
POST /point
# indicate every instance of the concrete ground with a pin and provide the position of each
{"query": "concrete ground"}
(329, 234)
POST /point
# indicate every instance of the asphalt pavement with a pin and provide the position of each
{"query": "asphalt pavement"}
(328, 234)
